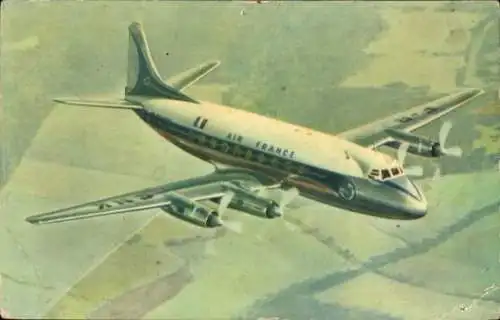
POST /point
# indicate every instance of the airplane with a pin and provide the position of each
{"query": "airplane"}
(253, 154)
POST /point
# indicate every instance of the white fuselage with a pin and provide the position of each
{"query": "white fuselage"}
(324, 167)
(273, 136)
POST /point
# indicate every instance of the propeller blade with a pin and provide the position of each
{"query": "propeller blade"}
(262, 192)
(415, 171)
(291, 226)
(453, 151)
(437, 173)
(443, 132)
(234, 226)
(224, 202)
(402, 152)
(288, 196)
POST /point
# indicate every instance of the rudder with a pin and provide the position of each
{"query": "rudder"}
(143, 78)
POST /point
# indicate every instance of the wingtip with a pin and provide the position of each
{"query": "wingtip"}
(472, 90)
(32, 220)
(63, 100)
(212, 64)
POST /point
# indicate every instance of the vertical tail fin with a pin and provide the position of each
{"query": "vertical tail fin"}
(143, 78)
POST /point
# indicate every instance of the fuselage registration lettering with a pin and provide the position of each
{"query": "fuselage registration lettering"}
(275, 149)
(124, 201)
(418, 116)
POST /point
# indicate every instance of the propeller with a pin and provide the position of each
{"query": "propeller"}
(287, 196)
(443, 134)
(224, 202)
(437, 173)
(415, 171)
(234, 226)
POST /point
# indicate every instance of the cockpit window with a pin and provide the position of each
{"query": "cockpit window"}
(384, 174)
(374, 174)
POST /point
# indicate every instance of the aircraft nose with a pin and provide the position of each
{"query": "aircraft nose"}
(406, 186)
(415, 203)
(416, 209)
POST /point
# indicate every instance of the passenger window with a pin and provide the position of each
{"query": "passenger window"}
(191, 136)
(288, 165)
(202, 139)
(302, 169)
(237, 151)
(248, 154)
(274, 162)
(224, 147)
(294, 168)
(395, 171)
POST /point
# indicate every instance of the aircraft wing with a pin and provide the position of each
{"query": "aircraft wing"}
(374, 134)
(206, 187)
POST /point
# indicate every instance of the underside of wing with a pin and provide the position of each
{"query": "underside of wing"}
(180, 198)
(377, 133)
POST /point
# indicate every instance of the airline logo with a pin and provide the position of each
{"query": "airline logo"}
(275, 149)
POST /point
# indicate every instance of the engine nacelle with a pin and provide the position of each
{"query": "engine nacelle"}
(244, 197)
(418, 145)
(426, 150)
(190, 211)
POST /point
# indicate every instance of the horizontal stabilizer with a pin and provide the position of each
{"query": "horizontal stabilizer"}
(187, 78)
(99, 103)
